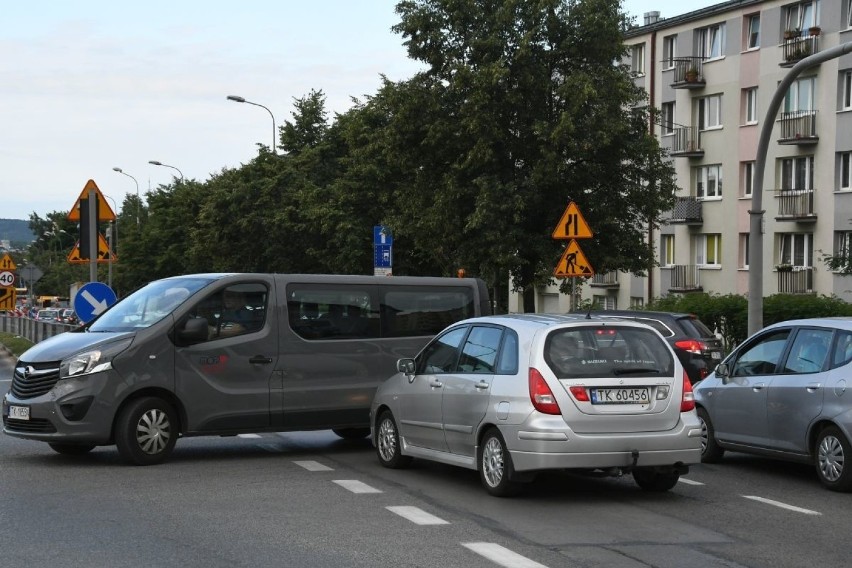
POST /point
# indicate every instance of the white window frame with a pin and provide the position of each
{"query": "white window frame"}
(637, 58)
(846, 94)
(802, 16)
(844, 165)
(843, 244)
(750, 102)
(752, 34)
(710, 112)
(708, 250)
(849, 14)
(669, 51)
(748, 179)
(667, 250)
(667, 114)
(711, 41)
(605, 302)
(744, 259)
(708, 182)
(801, 95)
(796, 246)
(797, 173)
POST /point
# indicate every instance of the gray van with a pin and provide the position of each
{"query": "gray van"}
(225, 354)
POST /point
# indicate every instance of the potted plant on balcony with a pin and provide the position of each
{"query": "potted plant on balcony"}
(691, 75)
(814, 30)
(792, 33)
(784, 267)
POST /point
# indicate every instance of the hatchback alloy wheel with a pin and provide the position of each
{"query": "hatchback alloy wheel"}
(495, 466)
(388, 444)
(492, 462)
(832, 449)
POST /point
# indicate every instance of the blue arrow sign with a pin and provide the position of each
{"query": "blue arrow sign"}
(92, 300)
(382, 235)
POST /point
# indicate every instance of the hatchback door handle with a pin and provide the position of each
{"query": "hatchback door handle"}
(758, 386)
(813, 387)
(482, 385)
(435, 384)
(260, 360)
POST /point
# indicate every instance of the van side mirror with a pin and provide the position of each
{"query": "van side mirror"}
(193, 331)
(405, 366)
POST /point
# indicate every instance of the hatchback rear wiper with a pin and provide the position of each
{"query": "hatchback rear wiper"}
(635, 370)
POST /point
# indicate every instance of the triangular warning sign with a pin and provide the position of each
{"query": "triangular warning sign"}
(573, 262)
(104, 254)
(572, 225)
(105, 212)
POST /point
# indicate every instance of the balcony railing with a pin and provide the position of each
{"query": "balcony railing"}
(795, 279)
(797, 48)
(799, 127)
(686, 142)
(687, 211)
(684, 278)
(795, 205)
(688, 73)
(606, 280)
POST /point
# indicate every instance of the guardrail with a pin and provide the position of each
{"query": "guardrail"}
(31, 329)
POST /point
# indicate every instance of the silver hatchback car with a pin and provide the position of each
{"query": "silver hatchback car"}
(785, 393)
(513, 395)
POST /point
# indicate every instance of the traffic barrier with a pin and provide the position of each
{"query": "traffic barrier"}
(31, 329)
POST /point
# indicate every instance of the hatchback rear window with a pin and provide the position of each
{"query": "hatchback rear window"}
(607, 352)
(694, 327)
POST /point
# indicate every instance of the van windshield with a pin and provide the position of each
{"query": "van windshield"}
(148, 305)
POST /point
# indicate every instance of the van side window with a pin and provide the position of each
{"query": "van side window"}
(409, 311)
(236, 310)
(331, 311)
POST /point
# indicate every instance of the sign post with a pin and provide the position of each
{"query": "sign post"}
(382, 251)
(573, 264)
(90, 208)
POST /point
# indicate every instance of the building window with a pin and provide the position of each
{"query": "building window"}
(849, 14)
(710, 112)
(797, 173)
(637, 302)
(669, 53)
(667, 250)
(748, 178)
(708, 250)
(753, 31)
(846, 81)
(637, 59)
(800, 95)
(708, 181)
(744, 239)
(801, 16)
(750, 105)
(711, 41)
(605, 302)
(796, 249)
(845, 160)
(843, 245)
(667, 111)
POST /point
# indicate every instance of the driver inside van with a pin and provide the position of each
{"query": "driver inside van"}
(234, 317)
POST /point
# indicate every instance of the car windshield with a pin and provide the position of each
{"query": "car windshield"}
(607, 351)
(148, 305)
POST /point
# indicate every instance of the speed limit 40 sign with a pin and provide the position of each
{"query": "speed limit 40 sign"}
(7, 278)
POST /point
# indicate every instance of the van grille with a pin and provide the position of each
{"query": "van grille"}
(31, 425)
(34, 379)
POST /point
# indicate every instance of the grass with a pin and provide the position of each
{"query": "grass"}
(15, 343)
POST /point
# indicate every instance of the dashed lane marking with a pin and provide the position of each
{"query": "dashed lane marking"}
(356, 486)
(782, 505)
(248, 435)
(502, 556)
(313, 466)
(417, 516)
(690, 481)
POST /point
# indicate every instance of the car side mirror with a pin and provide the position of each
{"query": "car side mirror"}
(193, 331)
(722, 370)
(405, 366)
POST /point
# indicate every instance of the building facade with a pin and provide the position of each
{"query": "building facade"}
(711, 74)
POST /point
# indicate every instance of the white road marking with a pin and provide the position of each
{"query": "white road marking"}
(689, 481)
(313, 466)
(356, 486)
(417, 516)
(271, 448)
(248, 435)
(782, 505)
(502, 556)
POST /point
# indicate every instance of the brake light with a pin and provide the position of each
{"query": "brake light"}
(691, 345)
(540, 394)
(687, 401)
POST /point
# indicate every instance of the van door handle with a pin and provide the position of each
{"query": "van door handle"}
(435, 384)
(482, 385)
(260, 360)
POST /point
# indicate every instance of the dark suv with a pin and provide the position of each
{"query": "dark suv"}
(698, 349)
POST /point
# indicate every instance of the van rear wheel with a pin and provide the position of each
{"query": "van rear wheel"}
(146, 431)
(71, 449)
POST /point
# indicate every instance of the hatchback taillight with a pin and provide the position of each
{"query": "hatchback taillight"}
(687, 401)
(691, 345)
(540, 394)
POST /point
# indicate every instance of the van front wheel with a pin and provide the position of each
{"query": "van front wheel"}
(146, 431)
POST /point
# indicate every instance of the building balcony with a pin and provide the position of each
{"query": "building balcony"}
(688, 73)
(687, 211)
(795, 49)
(795, 205)
(683, 278)
(799, 128)
(605, 280)
(686, 142)
(795, 279)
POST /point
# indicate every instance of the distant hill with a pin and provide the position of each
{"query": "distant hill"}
(17, 231)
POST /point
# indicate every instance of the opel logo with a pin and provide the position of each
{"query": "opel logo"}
(27, 371)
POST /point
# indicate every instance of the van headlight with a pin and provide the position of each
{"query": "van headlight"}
(93, 361)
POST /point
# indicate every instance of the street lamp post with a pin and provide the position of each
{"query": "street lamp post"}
(112, 237)
(239, 99)
(138, 200)
(156, 163)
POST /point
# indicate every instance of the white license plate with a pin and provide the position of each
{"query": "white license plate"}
(620, 396)
(19, 412)
(715, 355)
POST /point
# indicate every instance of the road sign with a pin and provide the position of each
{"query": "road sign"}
(382, 235)
(7, 278)
(31, 273)
(6, 263)
(8, 298)
(92, 300)
(105, 212)
(383, 257)
(573, 262)
(572, 225)
(104, 254)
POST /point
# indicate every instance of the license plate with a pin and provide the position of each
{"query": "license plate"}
(19, 412)
(620, 396)
(715, 355)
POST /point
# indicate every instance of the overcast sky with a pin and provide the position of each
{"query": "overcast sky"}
(92, 85)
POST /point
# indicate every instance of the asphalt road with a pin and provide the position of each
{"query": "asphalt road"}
(310, 499)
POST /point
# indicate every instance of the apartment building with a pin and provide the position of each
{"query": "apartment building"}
(712, 74)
